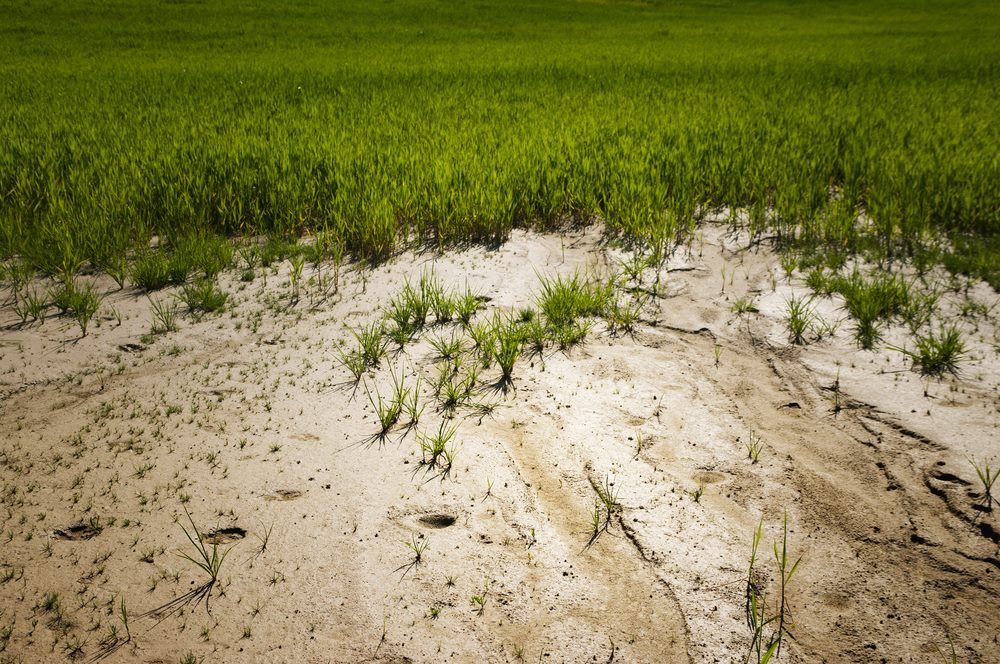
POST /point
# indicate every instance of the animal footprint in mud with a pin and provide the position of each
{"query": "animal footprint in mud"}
(284, 494)
(437, 520)
(224, 535)
(76, 532)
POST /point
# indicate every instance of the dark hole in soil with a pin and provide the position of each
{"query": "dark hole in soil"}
(285, 494)
(224, 535)
(988, 532)
(78, 531)
(437, 520)
(948, 477)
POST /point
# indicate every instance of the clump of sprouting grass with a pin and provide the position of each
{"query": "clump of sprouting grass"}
(353, 361)
(697, 493)
(605, 507)
(744, 305)
(203, 253)
(633, 267)
(29, 304)
(481, 334)
(466, 306)
(870, 302)
(411, 404)
(535, 336)
(479, 600)
(448, 348)
(937, 354)
(822, 327)
(563, 301)
(61, 297)
(818, 281)
(210, 563)
(113, 640)
(387, 410)
(80, 302)
(297, 262)
(207, 560)
(622, 316)
(151, 271)
(417, 301)
(400, 333)
(919, 309)
(410, 308)
(249, 253)
(789, 262)
(442, 304)
(372, 344)
(417, 546)
(16, 274)
(987, 478)
(203, 296)
(436, 449)
(570, 335)
(754, 446)
(164, 316)
(276, 248)
(798, 316)
(455, 386)
(506, 347)
(768, 621)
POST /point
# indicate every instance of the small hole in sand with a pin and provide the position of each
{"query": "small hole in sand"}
(437, 520)
(224, 535)
(285, 494)
(76, 532)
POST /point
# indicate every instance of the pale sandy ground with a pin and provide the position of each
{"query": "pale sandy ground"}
(248, 414)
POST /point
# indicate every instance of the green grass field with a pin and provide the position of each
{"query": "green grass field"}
(841, 126)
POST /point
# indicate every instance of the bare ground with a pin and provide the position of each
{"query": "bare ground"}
(246, 420)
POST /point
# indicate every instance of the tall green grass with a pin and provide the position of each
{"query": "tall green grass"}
(839, 126)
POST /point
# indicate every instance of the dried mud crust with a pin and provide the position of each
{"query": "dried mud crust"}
(245, 420)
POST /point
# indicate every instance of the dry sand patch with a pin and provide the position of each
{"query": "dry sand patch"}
(246, 420)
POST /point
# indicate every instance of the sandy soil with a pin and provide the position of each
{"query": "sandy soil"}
(247, 420)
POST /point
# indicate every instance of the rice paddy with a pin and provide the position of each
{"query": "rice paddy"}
(838, 127)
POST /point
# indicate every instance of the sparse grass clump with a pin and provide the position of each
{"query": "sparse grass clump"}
(387, 410)
(437, 449)
(754, 446)
(448, 348)
(508, 339)
(565, 300)
(203, 296)
(80, 302)
(937, 353)
(871, 302)
(768, 619)
(152, 271)
(208, 560)
(798, 316)
(164, 316)
(987, 475)
(622, 314)
(605, 508)
(30, 304)
(372, 346)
